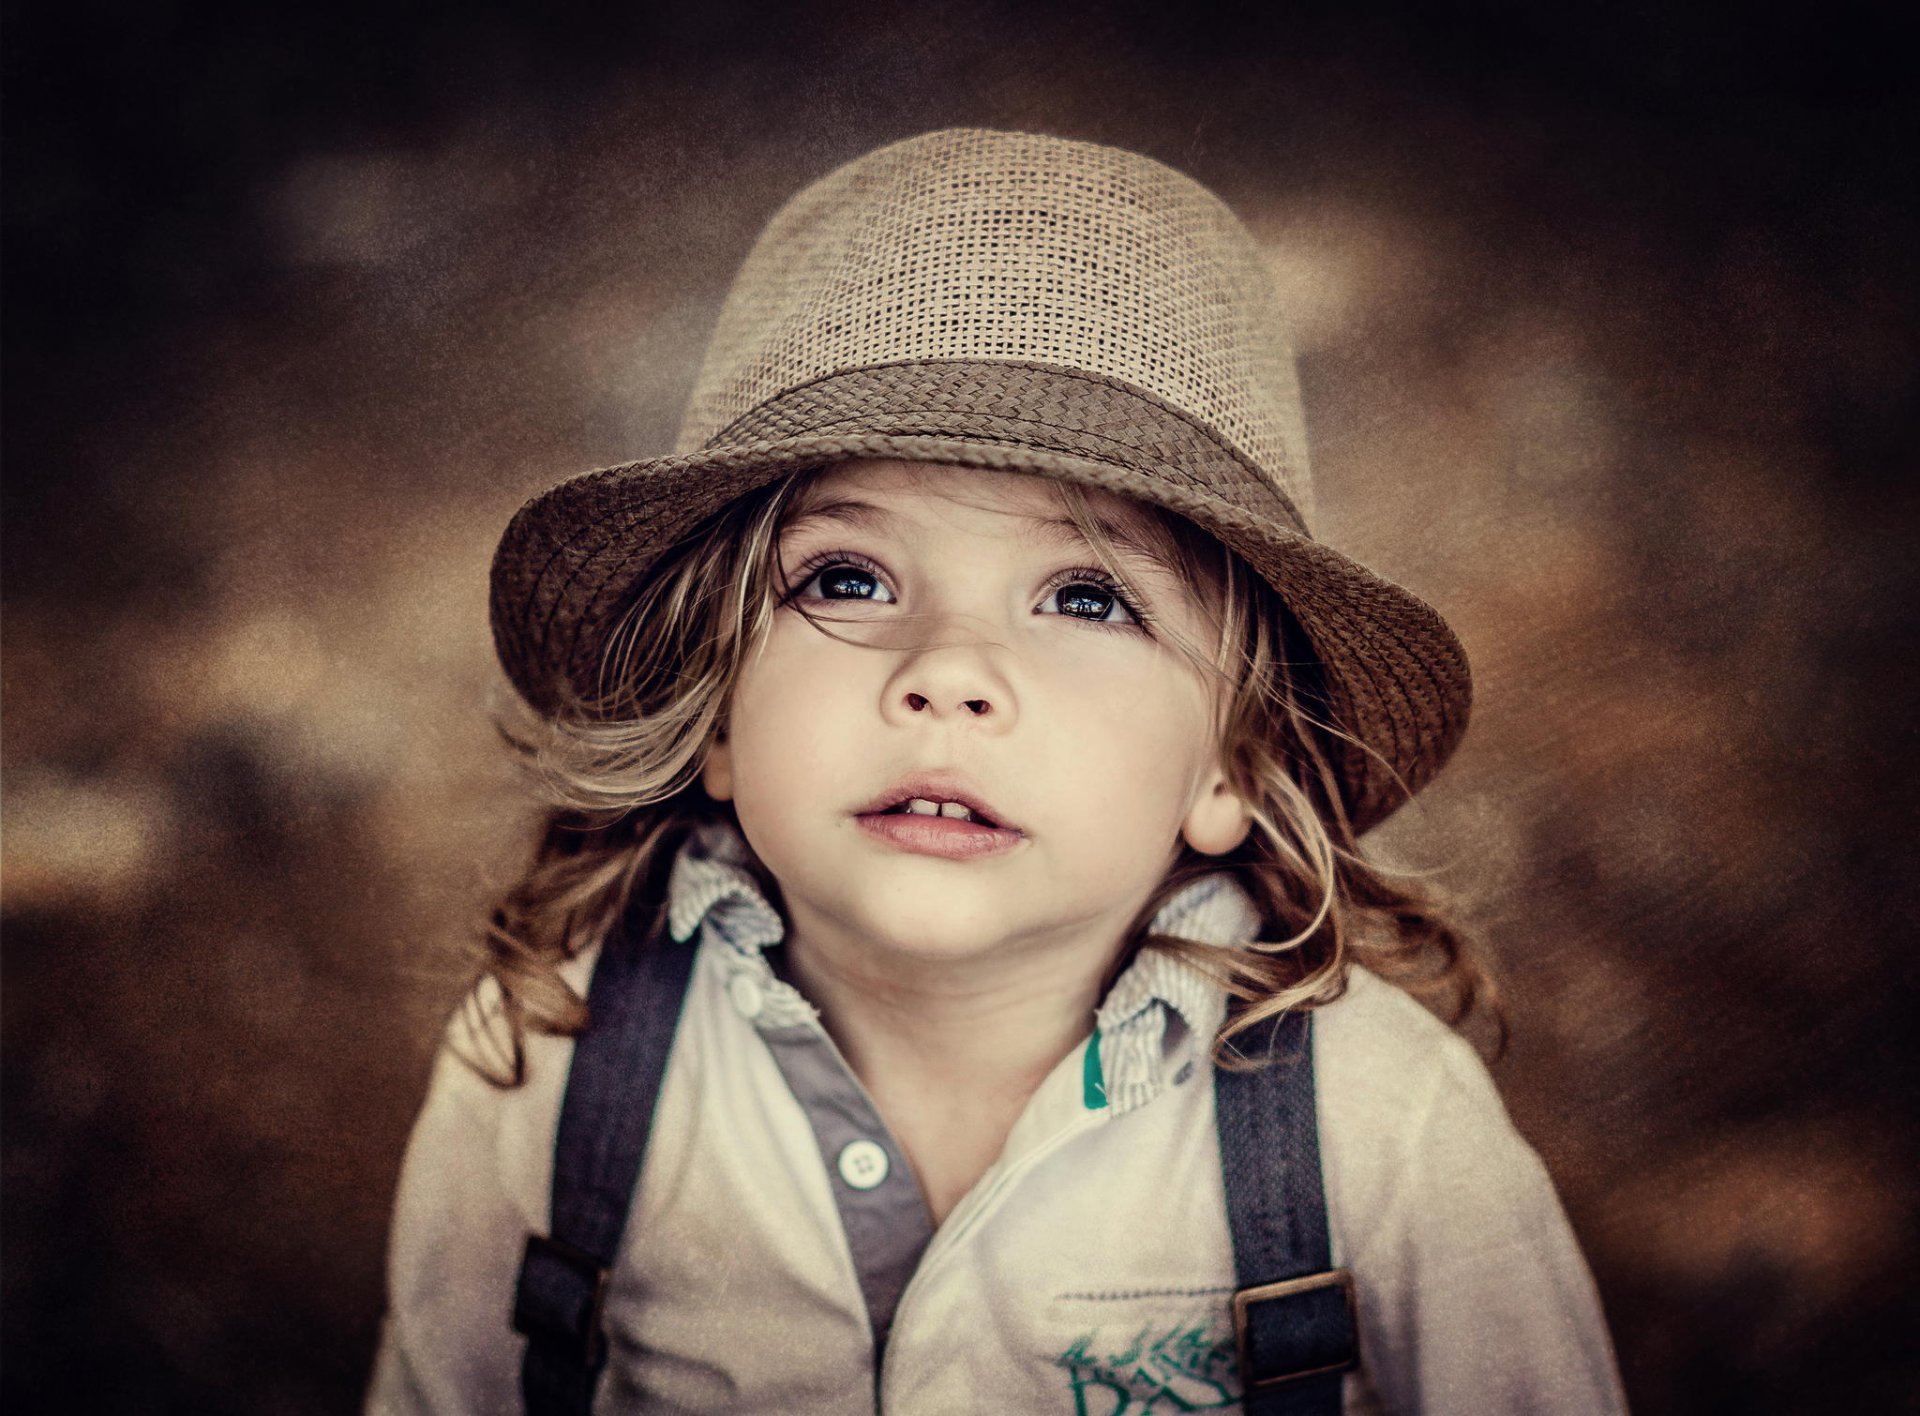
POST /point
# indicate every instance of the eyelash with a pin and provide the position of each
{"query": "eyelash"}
(1058, 581)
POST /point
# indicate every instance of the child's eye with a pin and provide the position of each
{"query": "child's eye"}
(1094, 600)
(844, 581)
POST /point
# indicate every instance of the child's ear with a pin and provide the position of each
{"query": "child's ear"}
(1219, 819)
(716, 773)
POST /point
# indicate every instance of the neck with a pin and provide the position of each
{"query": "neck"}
(990, 1026)
(951, 1050)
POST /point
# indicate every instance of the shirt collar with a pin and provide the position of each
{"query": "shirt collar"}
(712, 887)
(1211, 910)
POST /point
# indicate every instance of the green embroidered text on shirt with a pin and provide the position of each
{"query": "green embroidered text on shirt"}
(1187, 1367)
(1094, 1079)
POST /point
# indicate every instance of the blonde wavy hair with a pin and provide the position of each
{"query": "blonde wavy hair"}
(619, 771)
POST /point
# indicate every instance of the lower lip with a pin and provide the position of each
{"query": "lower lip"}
(945, 836)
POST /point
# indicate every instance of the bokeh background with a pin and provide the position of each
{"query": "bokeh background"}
(1605, 318)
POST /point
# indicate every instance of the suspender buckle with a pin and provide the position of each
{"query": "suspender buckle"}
(1295, 1329)
(561, 1292)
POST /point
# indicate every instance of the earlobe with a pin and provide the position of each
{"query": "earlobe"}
(716, 773)
(1219, 819)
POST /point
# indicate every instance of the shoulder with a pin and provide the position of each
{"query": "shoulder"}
(480, 1038)
(483, 1115)
(1475, 1296)
(480, 1147)
(1411, 1122)
(1379, 1053)
(473, 1185)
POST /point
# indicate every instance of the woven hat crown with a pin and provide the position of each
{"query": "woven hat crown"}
(973, 245)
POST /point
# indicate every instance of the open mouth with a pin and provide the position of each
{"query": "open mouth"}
(929, 817)
(952, 810)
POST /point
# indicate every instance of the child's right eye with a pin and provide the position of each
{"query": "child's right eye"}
(841, 581)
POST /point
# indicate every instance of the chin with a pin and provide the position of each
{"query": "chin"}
(932, 925)
(929, 932)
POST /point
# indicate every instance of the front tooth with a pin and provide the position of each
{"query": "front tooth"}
(920, 806)
(955, 810)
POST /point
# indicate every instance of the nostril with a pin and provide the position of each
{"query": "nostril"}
(979, 707)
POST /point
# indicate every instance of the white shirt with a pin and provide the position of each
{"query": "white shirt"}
(1087, 1271)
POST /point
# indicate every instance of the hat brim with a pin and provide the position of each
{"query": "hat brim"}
(1395, 676)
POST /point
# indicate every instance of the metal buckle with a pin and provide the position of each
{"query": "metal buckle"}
(531, 1319)
(1247, 1297)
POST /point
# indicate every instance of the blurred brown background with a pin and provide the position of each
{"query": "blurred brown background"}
(1605, 317)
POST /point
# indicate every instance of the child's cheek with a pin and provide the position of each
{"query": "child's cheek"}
(1144, 695)
(1131, 745)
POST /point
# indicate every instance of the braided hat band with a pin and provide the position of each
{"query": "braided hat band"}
(1013, 302)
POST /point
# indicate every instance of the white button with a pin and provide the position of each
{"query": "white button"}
(863, 1164)
(747, 998)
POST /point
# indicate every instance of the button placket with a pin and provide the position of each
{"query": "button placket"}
(883, 1216)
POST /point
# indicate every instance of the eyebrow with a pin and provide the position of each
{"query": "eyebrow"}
(1057, 531)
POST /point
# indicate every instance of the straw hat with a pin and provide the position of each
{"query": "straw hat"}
(1010, 301)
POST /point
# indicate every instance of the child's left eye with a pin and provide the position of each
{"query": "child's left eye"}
(1089, 600)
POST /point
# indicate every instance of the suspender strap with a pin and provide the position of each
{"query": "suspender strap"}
(1293, 1316)
(634, 1003)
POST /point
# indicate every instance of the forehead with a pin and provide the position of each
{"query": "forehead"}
(882, 496)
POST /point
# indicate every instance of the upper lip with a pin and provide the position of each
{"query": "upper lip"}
(937, 786)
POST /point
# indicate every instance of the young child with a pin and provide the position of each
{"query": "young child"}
(949, 980)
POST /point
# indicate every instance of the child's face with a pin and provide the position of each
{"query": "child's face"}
(991, 656)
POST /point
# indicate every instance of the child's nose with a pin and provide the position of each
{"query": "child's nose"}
(957, 683)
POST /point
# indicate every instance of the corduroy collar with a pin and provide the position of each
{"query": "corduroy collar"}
(712, 888)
